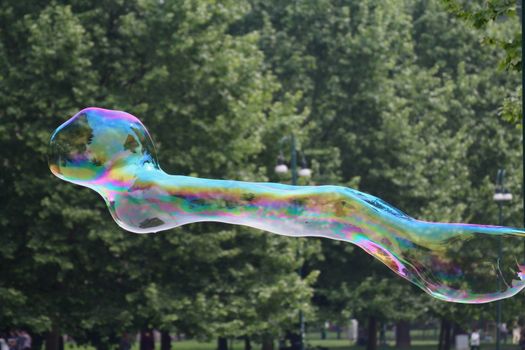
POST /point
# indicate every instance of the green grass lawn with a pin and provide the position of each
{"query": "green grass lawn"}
(332, 344)
(420, 341)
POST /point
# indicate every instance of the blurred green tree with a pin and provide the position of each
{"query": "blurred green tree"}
(488, 17)
(396, 98)
(405, 96)
(209, 101)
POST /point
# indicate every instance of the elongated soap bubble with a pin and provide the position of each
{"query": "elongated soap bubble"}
(112, 153)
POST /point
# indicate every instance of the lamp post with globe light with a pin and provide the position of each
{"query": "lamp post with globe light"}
(501, 195)
(282, 168)
(304, 171)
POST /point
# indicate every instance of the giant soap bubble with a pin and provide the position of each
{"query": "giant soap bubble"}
(112, 153)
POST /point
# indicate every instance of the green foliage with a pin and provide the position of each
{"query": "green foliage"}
(208, 99)
(397, 98)
(406, 97)
(486, 17)
(481, 15)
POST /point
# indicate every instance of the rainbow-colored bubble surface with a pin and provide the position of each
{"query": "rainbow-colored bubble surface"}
(112, 153)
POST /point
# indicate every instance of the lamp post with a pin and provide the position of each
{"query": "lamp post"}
(501, 195)
(282, 168)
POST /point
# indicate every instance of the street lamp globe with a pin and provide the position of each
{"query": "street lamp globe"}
(305, 172)
(501, 194)
(502, 197)
(281, 169)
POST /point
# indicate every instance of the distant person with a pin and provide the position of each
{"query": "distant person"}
(11, 341)
(20, 340)
(516, 330)
(475, 339)
(25, 340)
(522, 339)
(503, 331)
(3, 342)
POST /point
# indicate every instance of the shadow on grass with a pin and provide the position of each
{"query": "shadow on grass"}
(312, 344)
(416, 345)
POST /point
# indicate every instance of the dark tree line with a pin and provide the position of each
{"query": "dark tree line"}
(397, 98)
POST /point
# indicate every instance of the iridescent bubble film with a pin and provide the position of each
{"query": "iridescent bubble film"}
(112, 153)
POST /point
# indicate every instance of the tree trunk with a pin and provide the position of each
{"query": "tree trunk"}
(222, 343)
(165, 340)
(371, 343)
(402, 334)
(147, 341)
(382, 335)
(445, 335)
(60, 342)
(52, 339)
(247, 343)
(267, 343)
(38, 340)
